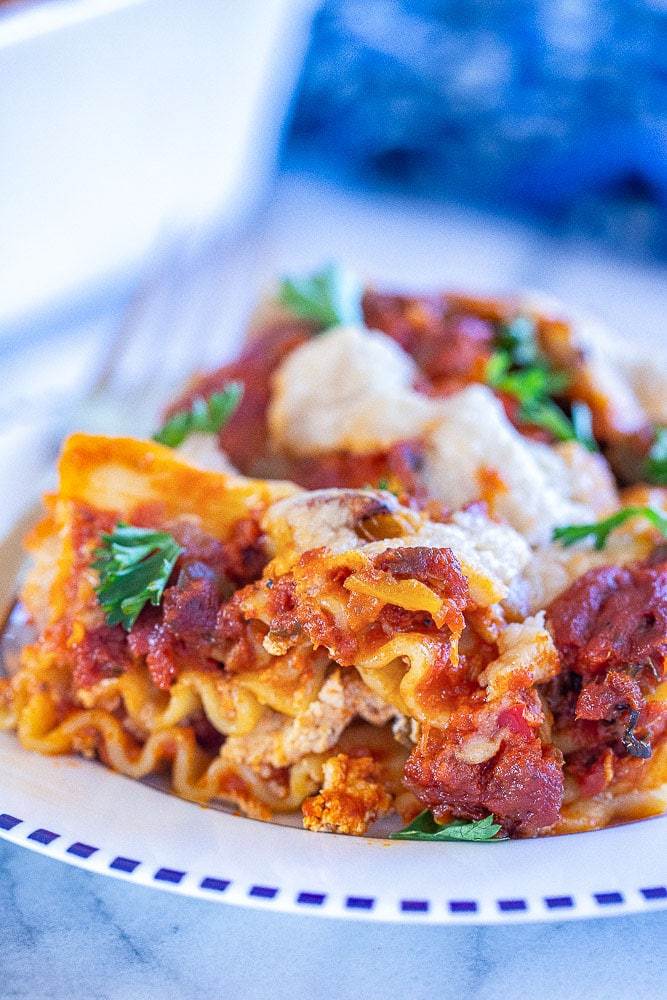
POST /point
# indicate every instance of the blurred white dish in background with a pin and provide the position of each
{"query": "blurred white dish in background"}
(124, 120)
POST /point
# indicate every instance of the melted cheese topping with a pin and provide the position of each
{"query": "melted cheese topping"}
(347, 389)
(350, 389)
(491, 555)
(474, 452)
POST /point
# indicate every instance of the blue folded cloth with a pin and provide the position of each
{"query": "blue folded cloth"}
(554, 107)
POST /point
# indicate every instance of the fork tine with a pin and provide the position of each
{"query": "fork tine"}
(173, 330)
(194, 294)
(130, 355)
(229, 271)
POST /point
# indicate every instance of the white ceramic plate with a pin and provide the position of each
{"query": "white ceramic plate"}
(79, 812)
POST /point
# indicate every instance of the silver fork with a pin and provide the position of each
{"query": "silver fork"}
(186, 316)
(187, 313)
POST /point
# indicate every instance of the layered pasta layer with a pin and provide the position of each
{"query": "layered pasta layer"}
(339, 651)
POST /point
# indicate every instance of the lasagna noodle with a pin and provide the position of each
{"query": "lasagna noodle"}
(340, 679)
(128, 722)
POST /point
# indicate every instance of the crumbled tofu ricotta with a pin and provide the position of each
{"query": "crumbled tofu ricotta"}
(351, 798)
(527, 657)
(347, 389)
(202, 451)
(646, 370)
(279, 741)
(590, 480)
(491, 555)
(333, 518)
(592, 346)
(474, 453)
(351, 389)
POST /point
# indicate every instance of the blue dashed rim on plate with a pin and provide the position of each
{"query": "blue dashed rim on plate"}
(80, 813)
(76, 811)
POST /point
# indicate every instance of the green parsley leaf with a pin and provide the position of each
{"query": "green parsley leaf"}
(517, 338)
(425, 827)
(497, 368)
(545, 413)
(331, 297)
(602, 529)
(532, 388)
(655, 466)
(134, 566)
(523, 374)
(382, 484)
(205, 416)
(519, 369)
(532, 385)
(582, 422)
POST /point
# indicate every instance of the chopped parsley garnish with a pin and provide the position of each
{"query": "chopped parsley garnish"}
(528, 385)
(602, 529)
(425, 827)
(546, 414)
(331, 297)
(518, 369)
(384, 484)
(582, 422)
(655, 466)
(205, 416)
(134, 566)
(517, 338)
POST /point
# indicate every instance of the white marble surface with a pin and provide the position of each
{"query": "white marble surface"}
(67, 933)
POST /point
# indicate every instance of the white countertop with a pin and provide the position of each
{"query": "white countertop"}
(70, 935)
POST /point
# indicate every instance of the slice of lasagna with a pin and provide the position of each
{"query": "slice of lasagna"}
(332, 650)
